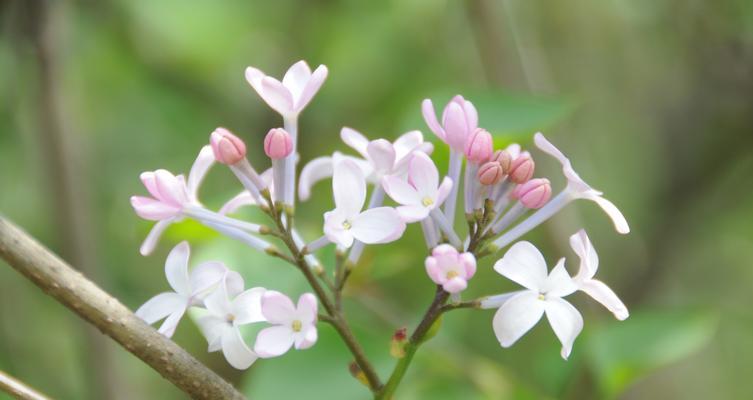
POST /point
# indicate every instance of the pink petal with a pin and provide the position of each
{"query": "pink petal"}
(455, 285)
(306, 339)
(296, 78)
(471, 115)
(313, 86)
(147, 178)
(277, 308)
(307, 308)
(400, 190)
(199, 169)
(406, 143)
(430, 116)
(382, 155)
(455, 126)
(378, 225)
(356, 140)
(172, 190)
(153, 210)
(423, 175)
(468, 262)
(254, 78)
(277, 96)
(444, 190)
(433, 270)
(274, 341)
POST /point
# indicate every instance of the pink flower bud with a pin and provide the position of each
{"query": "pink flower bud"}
(278, 144)
(521, 169)
(479, 147)
(534, 193)
(504, 158)
(228, 149)
(490, 173)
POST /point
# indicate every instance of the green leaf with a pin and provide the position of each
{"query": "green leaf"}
(620, 353)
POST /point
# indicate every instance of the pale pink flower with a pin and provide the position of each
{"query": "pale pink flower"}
(294, 326)
(189, 289)
(479, 147)
(348, 222)
(446, 267)
(521, 168)
(228, 149)
(229, 307)
(289, 97)
(519, 312)
(379, 158)
(421, 192)
(459, 120)
(589, 264)
(278, 144)
(170, 194)
(534, 193)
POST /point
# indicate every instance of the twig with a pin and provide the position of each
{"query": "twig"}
(86, 299)
(18, 389)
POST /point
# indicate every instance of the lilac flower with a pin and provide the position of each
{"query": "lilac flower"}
(189, 289)
(289, 97)
(459, 120)
(589, 264)
(421, 192)
(229, 307)
(446, 267)
(525, 265)
(347, 222)
(293, 325)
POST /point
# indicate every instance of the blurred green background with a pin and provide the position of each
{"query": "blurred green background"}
(653, 101)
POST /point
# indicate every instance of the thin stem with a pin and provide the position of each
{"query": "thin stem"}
(18, 389)
(91, 303)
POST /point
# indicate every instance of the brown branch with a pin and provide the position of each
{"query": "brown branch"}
(86, 299)
(18, 389)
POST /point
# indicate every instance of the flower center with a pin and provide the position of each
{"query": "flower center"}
(297, 326)
(230, 318)
(542, 296)
(452, 274)
(347, 225)
(427, 201)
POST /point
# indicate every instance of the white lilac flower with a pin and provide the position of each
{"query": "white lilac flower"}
(576, 189)
(420, 192)
(543, 293)
(589, 264)
(347, 222)
(379, 158)
(449, 268)
(229, 307)
(189, 289)
(289, 97)
(294, 326)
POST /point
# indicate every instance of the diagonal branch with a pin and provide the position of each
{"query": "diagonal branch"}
(18, 389)
(69, 287)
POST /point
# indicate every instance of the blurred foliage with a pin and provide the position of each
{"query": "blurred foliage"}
(651, 100)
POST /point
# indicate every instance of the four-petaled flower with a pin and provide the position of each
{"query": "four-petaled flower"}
(589, 263)
(347, 222)
(459, 120)
(449, 268)
(170, 194)
(421, 192)
(380, 158)
(225, 316)
(189, 289)
(293, 325)
(525, 265)
(289, 97)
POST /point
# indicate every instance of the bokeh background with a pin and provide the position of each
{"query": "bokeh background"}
(653, 101)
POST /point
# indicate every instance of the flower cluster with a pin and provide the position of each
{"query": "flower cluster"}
(502, 201)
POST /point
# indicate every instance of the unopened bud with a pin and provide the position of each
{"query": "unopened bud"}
(357, 373)
(534, 193)
(228, 149)
(278, 144)
(479, 147)
(490, 173)
(521, 169)
(504, 158)
(397, 345)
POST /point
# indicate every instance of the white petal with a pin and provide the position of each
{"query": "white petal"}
(306, 338)
(277, 308)
(153, 237)
(316, 170)
(406, 143)
(516, 317)
(604, 295)
(277, 96)
(160, 306)
(423, 175)
(524, 264)
(274, 341)
(233, 284)
(566, 322)
(335, 230)
(243, 198)
(559, 283)
(382, 155)
(247, 306)
(620, 224)
(176, 269)
(573, 178)
(444, 190)
(411, 214)
(306, 309)
(212, 328)
(203, 162)
(400, 190)
(171, 323)
(378, 225)
(496, 301)
(236, 351)
(254, 77)
(349, 187)
(296, 78)
(218, 302)
(206, 277)
(355, 139)
(589, 260)
(312, 86)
